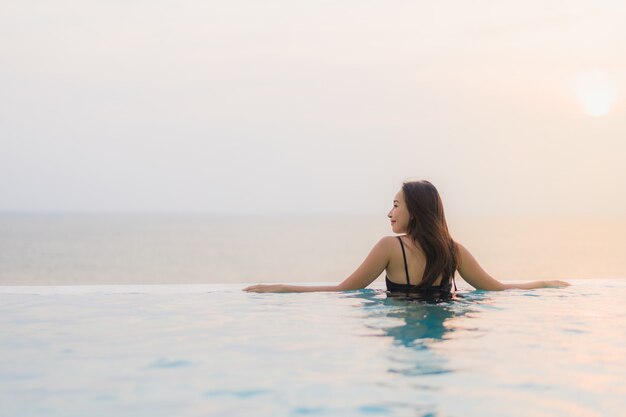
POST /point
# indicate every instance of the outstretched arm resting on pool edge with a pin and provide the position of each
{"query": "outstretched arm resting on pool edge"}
(371, 268)
(290, 288)
(475, 275)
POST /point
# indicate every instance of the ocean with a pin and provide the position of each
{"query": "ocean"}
(91, 249)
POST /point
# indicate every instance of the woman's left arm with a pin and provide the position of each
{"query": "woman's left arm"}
(371, 268)
(475, 275)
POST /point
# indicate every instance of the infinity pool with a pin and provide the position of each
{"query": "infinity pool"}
(214, 350)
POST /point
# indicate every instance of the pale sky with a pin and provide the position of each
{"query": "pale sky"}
(508, 107)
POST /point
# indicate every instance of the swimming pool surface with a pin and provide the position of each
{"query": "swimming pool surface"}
(214, 350)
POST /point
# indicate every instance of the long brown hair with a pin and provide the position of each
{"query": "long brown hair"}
(427, 227)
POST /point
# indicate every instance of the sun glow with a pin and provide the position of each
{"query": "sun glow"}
(596, 92)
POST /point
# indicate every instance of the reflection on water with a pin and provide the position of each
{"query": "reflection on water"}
(416, 324)
(172, 351)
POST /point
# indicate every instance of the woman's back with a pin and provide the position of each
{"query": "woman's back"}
(406, 266)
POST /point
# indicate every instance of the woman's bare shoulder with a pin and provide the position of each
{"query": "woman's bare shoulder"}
(459, 246)
(386, 243)
(389, 240)
(461, 251)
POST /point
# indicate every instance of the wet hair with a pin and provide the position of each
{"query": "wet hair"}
(427, 227)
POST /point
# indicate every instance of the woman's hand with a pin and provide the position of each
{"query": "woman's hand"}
(266, 288)
(555, 283)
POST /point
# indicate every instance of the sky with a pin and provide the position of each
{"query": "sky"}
(285, 106)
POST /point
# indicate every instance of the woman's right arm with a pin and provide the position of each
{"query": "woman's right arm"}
(471, 271)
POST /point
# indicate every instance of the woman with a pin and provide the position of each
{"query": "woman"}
(422, 260)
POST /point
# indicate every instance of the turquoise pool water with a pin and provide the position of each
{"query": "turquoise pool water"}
(214, 350)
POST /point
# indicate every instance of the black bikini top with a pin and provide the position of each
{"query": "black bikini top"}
(408, 287)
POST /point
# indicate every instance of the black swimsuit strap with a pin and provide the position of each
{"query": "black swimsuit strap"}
(406, 268)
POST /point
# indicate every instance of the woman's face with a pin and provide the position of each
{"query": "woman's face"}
(399, 214)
